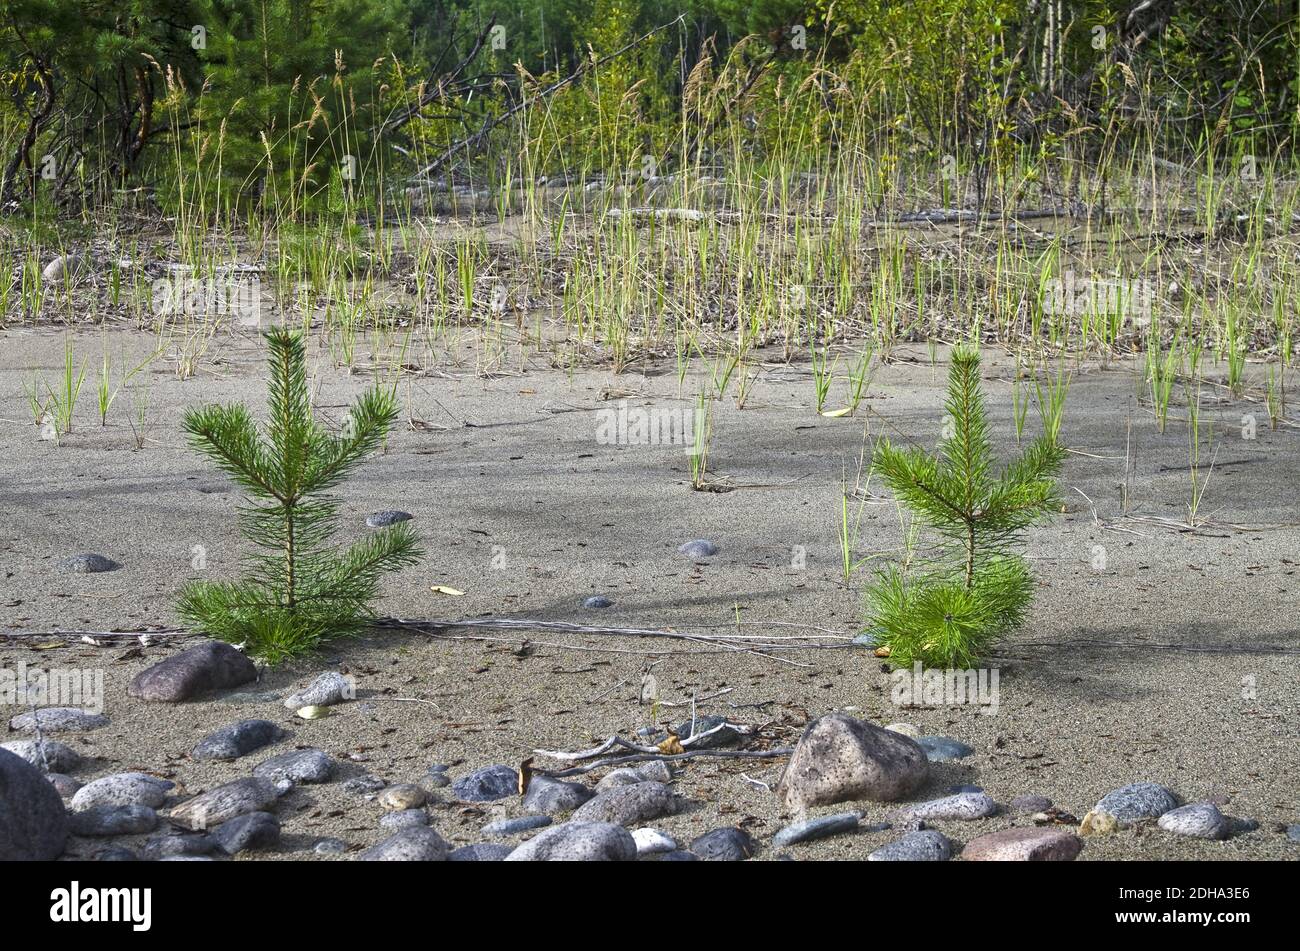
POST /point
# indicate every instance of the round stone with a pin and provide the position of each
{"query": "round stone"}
(941, 749)
(1028, 805)
(88, 563)
(387, 517)
(402, 797)
(1135, 802)
(924, 846)
(487, 784)
(699, 548)
(1200, 820)
(598, 601)
(330, 847)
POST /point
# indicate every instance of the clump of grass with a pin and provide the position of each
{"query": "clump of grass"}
(948, 610)
(300, 589)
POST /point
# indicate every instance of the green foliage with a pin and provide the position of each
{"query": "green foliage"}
(948, 609)
(301, 589)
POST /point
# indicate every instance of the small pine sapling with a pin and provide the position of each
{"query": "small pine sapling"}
(946, 610)
(301, 589)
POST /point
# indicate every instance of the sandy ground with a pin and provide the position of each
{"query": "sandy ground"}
(527, 513)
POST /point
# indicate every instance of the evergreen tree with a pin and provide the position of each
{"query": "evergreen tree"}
(300, 589)
(947, 610)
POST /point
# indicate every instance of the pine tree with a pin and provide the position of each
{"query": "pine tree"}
(301, 589)
(948, 609)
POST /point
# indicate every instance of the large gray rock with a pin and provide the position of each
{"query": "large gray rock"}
(58, 757)
(209, 666)
(122, 789)
(34, 826)
(627, 805)
(419, 844)
(297, 766)
(840, 759)
(578, 842)
(546, 796)
(210, 809)
(237, 739)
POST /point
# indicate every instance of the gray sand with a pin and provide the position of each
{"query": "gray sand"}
(525, 512)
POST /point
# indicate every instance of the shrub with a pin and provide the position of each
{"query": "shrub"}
(300, 590)
(947, 609)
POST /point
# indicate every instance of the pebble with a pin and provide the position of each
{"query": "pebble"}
(866, 639)
(402, 797)
(171, 843)
(328, 689)
(962, 807)
(578, 842)
(728, 844)
(699, 548)
(1136, 802)
(1029, 804)
(941, 749)
(223, 803)
(58, 720)
(60, 757)
(487, 784)
(114, 820)
(88, 564)
(249, 832)
(598, 601)
(409, 845)
(839, 759)
(212, 665)
(387, 517)
(404, 819)
(626, 805)
(312, 712)
(330, 847)
(817, 828)
(507, 827)
(436, 780)
(481, 852)
(924, 846)
(1200, 820)
(297, 766)
(123, 789)
(651, 841)
(34, 824)
(546, 796)
(1024, 845)
(236, 740)
(1293, 832)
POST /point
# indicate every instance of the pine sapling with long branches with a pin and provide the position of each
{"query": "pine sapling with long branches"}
(947, 608)
(300, 589)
